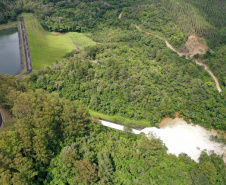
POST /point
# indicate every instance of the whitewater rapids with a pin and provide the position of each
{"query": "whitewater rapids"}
(180, 137)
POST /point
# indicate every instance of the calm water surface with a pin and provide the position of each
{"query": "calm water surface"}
(9, 52)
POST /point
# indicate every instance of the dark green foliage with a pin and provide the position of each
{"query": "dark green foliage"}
(44, 123)
(138, 80)
(173, 19)
(202, 17)
(9, 10)
(55, 141)
(129, 73)
(216, 61)
(105, 168)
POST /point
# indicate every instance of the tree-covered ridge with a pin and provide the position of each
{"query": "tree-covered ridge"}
(202, 17)
(55, 141)
(139, 79)
(168, 17)
(43, 124)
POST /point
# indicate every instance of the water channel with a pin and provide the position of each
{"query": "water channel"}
(180, 137)
(9, 52)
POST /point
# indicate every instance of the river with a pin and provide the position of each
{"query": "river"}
(180, 137)
(9, 52)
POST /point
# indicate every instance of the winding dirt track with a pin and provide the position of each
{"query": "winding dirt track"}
(211, 74)
(172, 48)
(180, 54)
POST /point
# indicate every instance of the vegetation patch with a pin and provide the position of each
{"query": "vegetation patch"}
(46, 47)
(7, 120)
(122, 120)
(8, 26)
(22, 54)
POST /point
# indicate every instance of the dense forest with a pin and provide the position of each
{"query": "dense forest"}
(136, 76)
(52, 139)
(138, 81)
(171, 19)
(55, 141)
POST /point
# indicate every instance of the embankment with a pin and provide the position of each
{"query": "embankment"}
(7, 28)
(26, 48)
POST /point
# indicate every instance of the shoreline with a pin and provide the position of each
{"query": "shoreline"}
(21, 48)
(8, 28)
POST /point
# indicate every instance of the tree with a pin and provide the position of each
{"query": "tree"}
(85, 172)
(105, 168)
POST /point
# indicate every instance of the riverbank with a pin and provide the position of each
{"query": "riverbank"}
(8, 25)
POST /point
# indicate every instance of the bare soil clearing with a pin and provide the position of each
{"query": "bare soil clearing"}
(194, 45)
(165, 122)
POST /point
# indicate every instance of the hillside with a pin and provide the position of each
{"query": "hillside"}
(55, 141)
(130, 62)
(49, 47)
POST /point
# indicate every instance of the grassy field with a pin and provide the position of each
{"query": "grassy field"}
(49, 47)
(122, 120)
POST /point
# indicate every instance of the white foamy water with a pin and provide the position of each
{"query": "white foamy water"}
(180, 137)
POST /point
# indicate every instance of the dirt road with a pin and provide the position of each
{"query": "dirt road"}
(211, 74)
(180, 54)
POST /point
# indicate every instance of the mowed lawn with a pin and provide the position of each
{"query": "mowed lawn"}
(49, 47)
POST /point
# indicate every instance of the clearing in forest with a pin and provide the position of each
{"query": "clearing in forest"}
(49, 47)
(194, 45)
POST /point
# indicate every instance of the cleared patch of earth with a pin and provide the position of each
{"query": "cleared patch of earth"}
(194, 45)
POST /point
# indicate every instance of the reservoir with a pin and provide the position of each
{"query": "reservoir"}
(9, 52)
